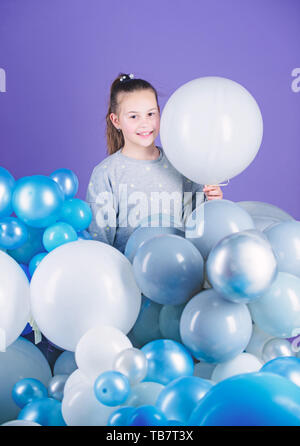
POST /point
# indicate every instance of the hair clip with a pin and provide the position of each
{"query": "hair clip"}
(127, 77)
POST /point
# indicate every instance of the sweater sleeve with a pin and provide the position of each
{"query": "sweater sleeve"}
(102, 202)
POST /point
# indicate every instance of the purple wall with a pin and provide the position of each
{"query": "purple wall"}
(60, 58)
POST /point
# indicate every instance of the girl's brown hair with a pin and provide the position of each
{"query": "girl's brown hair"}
(114, 138)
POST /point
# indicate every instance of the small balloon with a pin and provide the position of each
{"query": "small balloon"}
(147, 416)
(56, 387)
(76, 213)
(67, 181)
(30, 248)
(13, 233)
(58, 234)
(276, 348)
(112, 388)
(120, 417)
(7, 184)
(35, 261)
(27, 390)
(243, 363)
(45, 411)
(287, 367)
(132, 362)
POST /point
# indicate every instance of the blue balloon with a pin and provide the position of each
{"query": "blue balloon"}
(77, 213)
(146, 327)
(251, 399)
(277, 311)
(179, 398)
(167, 360)
(214, 329)
(168, 269)
(45, 411)
(13, 233)
(27, 390)
(288, 367)
(58, 234)
(169, 321)
(201, 228)
(35, 261)
(37, 200)
(30, 248)
(147, 416)
(121, 416)
(26, 271)
(142, 234)
(285, 240)
(7, 184)
(67, 181)
(112, 388)
(27, 329)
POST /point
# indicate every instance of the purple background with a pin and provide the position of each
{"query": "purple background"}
(60, 58)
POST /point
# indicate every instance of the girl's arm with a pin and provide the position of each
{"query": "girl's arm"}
(102, 202)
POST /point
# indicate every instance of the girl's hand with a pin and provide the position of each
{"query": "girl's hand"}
(213, 192)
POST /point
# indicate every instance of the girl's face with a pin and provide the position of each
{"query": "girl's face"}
(138, 117)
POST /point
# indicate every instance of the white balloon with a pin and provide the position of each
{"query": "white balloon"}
(22, 359)
(76, 378)
(83, 285)
(211, 129)
(80, 407)
(14, 300)
(243, 363)
(98, 348)
(144, 393)
(65, 364)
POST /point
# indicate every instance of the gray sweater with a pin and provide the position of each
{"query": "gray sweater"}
(124, 191)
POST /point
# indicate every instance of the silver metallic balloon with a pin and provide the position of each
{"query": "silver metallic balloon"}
(133, 363)
(242, 266)
(276, 348)
(56, 386)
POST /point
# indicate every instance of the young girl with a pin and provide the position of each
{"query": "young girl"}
(136, 180)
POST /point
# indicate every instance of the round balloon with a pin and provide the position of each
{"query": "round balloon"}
(65, 364)
(67, 181)
(112, 388)
(288, 367)
(56, 387)
(168, 269)
(211, 129)
(132, 363)
(214, 329)
(276, 348)
(44, 411)
(77, 213)
(22, 359)
(58, 234)
(264, 214)
(37, 200)
(201, 228)
(83, 284)
(7, 184)
(13, 233)
(251, 399)
(14, 300)
(27, 390)
(285, 241)
(277, 311)
(35, 261)
(242, 363)
(242, 266)
(32, 246)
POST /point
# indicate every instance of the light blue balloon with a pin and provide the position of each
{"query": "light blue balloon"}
(37, 200)
(214, 329)
(288, 367)
(169, 320)
(7, 184)
(168, 269)
(121, 416)
(179, 398)
(213, 220)
(56, 387)
(35, 261)
(142, 234)
(45, 411)
(58, 234)
(251, 399)
(112, 388)
(242, 266)
(146, 327)
(264, 214)
(147, 416)
(285, 241)
(77, 213)
(65, 364)
(277, 311)
(27, 390)
(13, 233)
(67, 181)
(30, 248)
(167, 360)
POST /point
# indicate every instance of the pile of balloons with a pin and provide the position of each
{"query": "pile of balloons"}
(190, 326)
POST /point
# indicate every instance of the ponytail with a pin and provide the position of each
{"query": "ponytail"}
(115, 138)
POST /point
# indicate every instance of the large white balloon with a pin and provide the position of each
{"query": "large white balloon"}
(211, 129)
(98, 348)
(14, 300)
(82, 284)
(22, 359)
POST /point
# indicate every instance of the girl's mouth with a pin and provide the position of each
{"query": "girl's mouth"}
(145, 134)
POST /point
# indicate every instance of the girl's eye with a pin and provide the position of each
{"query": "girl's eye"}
(133, 116)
